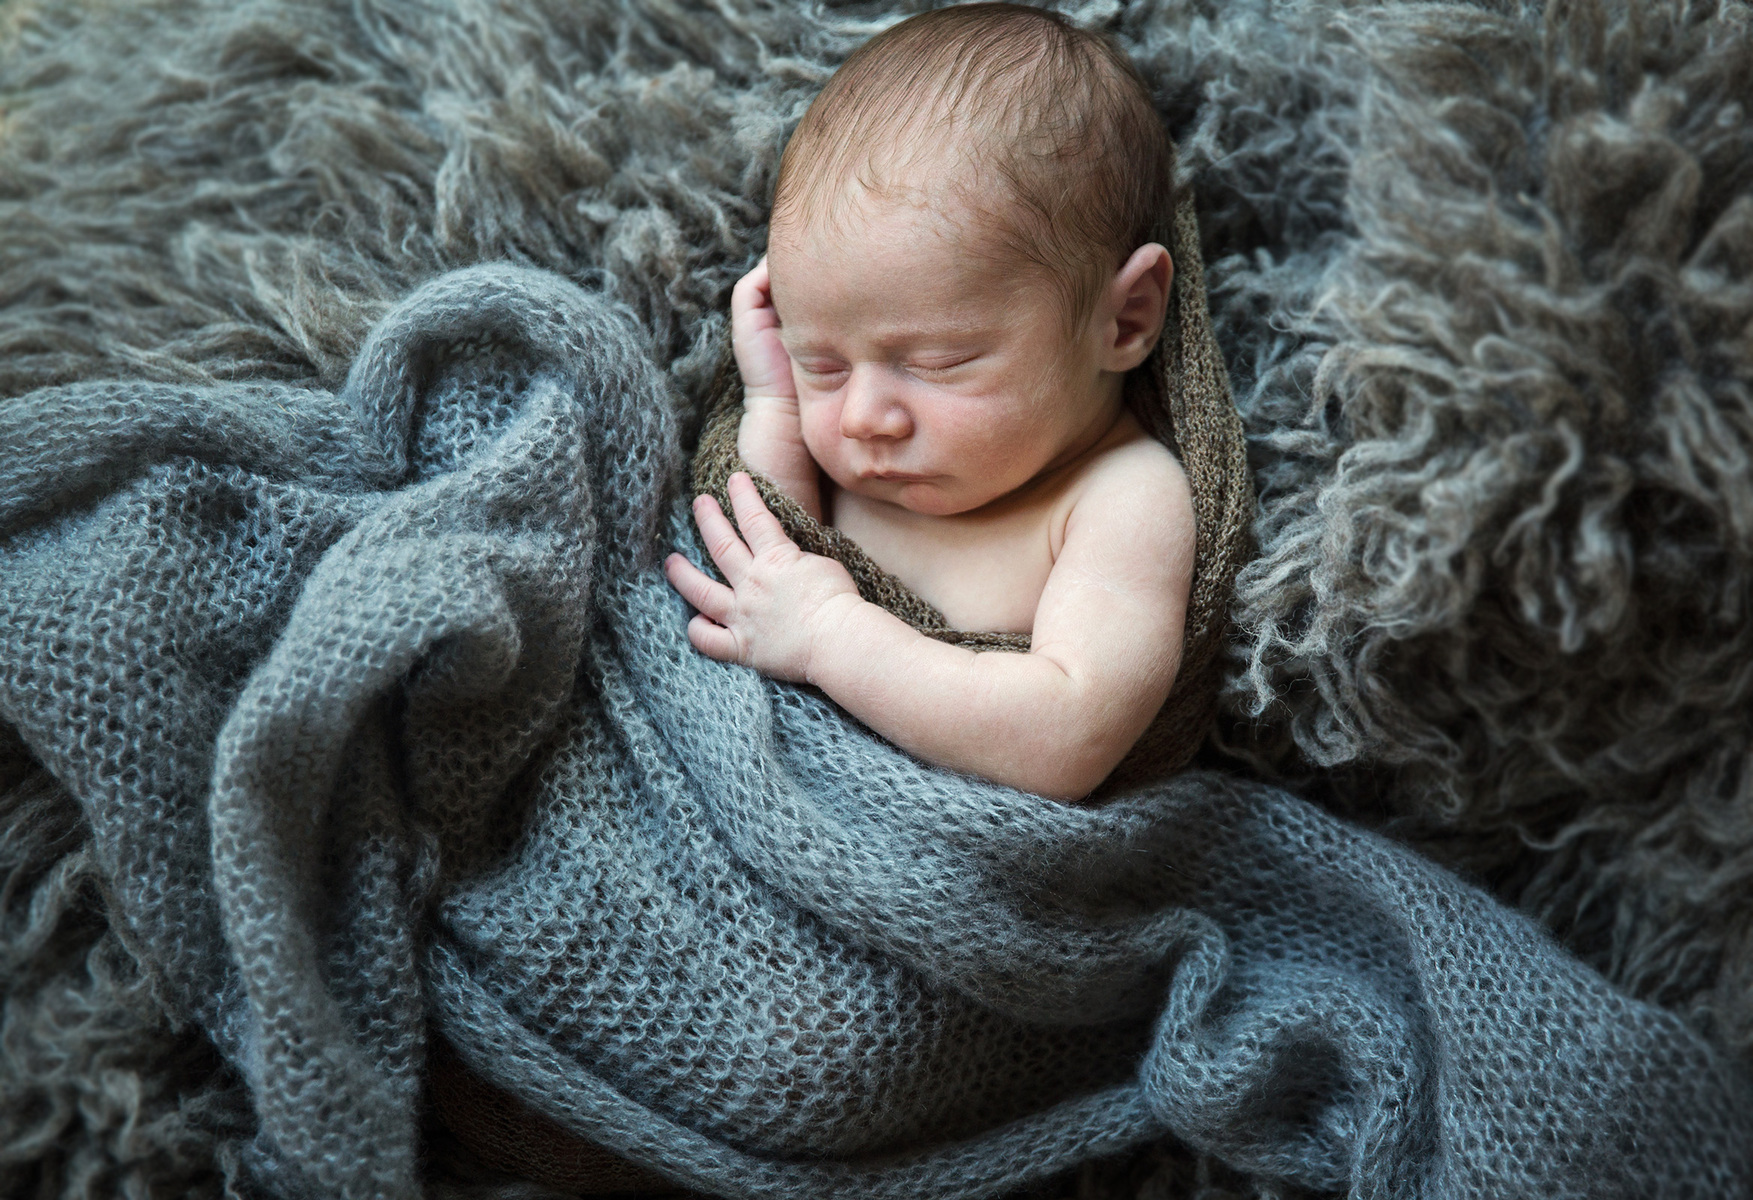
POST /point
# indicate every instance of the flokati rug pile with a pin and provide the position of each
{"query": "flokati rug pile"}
(341, 702)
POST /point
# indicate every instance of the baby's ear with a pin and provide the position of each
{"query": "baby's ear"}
(1133, 307)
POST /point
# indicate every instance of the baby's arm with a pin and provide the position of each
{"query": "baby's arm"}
(770, 438)
(1055, 721)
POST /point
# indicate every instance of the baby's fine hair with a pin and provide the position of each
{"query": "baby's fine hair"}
(1068, 157)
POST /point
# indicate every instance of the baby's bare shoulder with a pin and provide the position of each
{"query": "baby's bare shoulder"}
(1135, 493)
(1141, 462)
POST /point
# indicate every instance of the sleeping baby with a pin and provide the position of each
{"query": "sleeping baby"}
(959, 276)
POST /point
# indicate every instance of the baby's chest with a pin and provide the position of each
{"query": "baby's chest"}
(981, 573)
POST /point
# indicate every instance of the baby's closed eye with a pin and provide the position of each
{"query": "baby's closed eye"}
(819, 370)
(946, 365)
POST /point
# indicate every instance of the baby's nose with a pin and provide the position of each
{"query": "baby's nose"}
(872, 410)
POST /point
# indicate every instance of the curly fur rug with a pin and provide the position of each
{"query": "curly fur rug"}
(1484, 275)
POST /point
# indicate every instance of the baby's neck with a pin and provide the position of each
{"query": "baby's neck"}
(1112, 424)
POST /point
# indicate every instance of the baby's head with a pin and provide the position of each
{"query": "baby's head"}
(961, 252)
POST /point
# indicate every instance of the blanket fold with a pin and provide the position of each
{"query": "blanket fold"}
(381, 714)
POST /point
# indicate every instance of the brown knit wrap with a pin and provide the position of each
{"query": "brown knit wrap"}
(1181, 394)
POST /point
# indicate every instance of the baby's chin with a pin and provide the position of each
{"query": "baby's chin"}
(930, 497)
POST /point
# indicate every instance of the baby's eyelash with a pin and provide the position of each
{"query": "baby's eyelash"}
(934, 368)
(822, 371)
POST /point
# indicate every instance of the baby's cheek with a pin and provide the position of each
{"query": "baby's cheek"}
(820, 420)
(987, 441)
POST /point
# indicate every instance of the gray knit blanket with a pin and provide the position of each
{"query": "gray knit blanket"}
(341, 708)
(381, 713)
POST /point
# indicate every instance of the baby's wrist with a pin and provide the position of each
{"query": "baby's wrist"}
(771, 404)
(828, 634)
(770, 442)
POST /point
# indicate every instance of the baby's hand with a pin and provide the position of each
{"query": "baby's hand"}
(781, 601)
(754, 336)
(770, 438)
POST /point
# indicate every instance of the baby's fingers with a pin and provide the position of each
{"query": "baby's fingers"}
(752, 292)
(705, 593)
(722, 542)
(754, 518)
(713, 640)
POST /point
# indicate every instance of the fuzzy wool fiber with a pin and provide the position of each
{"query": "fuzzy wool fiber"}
(1484, 276)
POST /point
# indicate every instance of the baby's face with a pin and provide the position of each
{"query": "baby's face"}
(930, 372)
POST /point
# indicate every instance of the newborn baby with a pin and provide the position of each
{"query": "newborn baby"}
(958, 278)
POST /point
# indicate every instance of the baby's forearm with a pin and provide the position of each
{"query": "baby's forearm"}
(1017, 719)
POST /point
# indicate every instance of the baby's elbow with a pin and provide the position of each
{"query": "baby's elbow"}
(1090, 727)
(1070, 757)
(1075, 794)
(1069, 776)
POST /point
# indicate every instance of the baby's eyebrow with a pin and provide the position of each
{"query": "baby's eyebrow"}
(897, 340)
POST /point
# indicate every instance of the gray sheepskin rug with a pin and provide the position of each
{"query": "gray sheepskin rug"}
(1483, 275)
